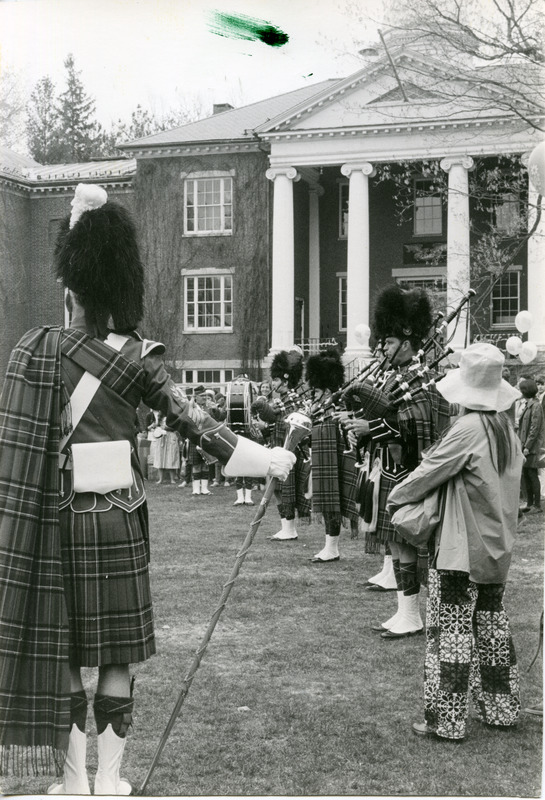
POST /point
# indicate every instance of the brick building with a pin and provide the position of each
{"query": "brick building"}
(270, 224)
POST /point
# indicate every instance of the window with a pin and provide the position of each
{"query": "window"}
(428, 208)
(505, 299)
(208, 303)
(433, 280)
(207, 377)
(342, 303)
(507, 213)
(208, 206)
(343, 210)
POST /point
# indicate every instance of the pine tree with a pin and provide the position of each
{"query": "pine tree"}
(42, 123)
(77, 128)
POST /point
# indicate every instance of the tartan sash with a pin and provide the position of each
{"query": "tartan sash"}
(113, 369)
(34, 673)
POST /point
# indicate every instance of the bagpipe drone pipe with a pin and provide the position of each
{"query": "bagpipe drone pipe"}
(418, 377)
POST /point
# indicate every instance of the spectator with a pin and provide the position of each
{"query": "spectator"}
(531, 439)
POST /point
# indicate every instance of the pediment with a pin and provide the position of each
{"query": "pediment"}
(411, 90)
(373, 97)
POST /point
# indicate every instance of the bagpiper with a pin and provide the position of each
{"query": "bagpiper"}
(395, 436)
(333, 472)
(292, 496)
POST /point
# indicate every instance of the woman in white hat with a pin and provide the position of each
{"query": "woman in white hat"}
(469, 646)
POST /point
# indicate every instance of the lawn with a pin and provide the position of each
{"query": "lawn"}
(295, 694)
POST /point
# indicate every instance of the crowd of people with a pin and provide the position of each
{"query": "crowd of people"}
(77, 517)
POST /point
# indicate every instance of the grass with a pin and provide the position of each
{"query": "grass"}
(295, 694)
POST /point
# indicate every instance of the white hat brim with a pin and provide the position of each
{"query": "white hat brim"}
(455, 390)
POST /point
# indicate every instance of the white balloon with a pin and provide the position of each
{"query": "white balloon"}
(523, 321)
(362, 332)
(513, 345)
(528, 352)
(536, 168)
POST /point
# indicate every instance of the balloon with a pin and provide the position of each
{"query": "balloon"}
(454, 358)
(528, 352)
(513, 345)
(536, 168)
(523, 321)
(362, 333)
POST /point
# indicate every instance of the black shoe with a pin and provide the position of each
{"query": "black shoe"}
(392, 635)
(374, 587)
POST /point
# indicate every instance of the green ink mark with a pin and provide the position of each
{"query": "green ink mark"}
(240, 26)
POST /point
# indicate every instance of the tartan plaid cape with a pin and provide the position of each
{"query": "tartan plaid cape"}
(34, 673)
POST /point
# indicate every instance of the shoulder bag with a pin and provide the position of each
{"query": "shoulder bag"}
(417, 522)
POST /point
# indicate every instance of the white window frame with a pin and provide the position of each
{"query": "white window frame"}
(431, 212)
(422, 276)
(226, 374)
(342, 289)
(193, 179)
(193, 277)
(514, 270)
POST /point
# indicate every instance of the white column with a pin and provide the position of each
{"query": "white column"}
(357, 268)
(314, 194)
(536, 270)
(458, 258)
(283, 260)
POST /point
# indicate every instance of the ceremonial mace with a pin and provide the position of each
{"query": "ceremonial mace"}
(299, 426)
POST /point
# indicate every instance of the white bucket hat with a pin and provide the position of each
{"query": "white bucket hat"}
(477, 383)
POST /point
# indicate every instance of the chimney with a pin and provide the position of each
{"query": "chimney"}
(217, 108)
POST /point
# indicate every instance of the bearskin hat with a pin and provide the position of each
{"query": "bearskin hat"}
(404, 314)
(98, 259)
(288, 365)
(325, 370)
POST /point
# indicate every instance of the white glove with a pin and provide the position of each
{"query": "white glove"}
(281, 463)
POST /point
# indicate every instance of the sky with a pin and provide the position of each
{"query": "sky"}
(162, 53)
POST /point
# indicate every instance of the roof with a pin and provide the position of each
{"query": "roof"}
(24, 167)
(15, 163)
(237, 123)
(122, 167)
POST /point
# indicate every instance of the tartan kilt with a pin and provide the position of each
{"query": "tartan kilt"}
(348, 484)
(291, 492)
(385, 530)
(193, 456)
(105, 559)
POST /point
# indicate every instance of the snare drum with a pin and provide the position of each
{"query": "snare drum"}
(238, 404)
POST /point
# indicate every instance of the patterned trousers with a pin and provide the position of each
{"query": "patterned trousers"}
(468, 649)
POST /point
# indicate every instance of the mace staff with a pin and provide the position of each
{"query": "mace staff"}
(299, 427)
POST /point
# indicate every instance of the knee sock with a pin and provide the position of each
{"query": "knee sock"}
(397, 573)
(409, 581)
(78, 710)
(117, 711)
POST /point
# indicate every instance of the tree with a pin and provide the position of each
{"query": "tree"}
(77, 130)
(42, 123)
(499, 215)
(492, 53)
(12, 109)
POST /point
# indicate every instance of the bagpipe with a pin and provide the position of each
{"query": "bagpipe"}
(294, 400)
(409, 383)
